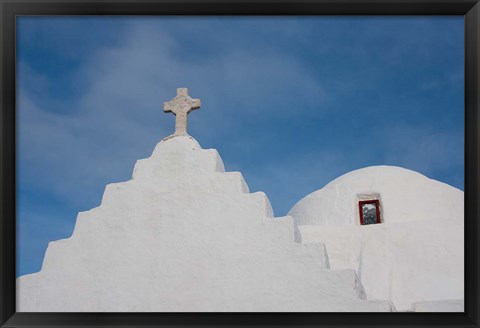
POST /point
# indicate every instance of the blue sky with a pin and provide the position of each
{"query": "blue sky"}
(291, 102)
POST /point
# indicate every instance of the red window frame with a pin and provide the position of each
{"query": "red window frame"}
(377, 207)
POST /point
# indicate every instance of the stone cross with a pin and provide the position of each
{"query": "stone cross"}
(181, 106)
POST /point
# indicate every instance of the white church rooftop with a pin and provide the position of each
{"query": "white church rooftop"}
(404, 195)
(185, 235)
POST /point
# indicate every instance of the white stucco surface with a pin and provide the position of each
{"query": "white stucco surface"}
(415, 255)
(439, 306)
(184, 235)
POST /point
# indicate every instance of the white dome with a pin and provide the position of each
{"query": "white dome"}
(404, 195)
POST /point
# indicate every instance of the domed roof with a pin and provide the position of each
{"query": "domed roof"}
(403, 195)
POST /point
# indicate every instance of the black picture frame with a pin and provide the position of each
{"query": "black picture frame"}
(9, 9)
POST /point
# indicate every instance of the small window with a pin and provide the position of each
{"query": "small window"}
(369, 211)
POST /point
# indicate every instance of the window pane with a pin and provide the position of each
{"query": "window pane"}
(369, 213)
